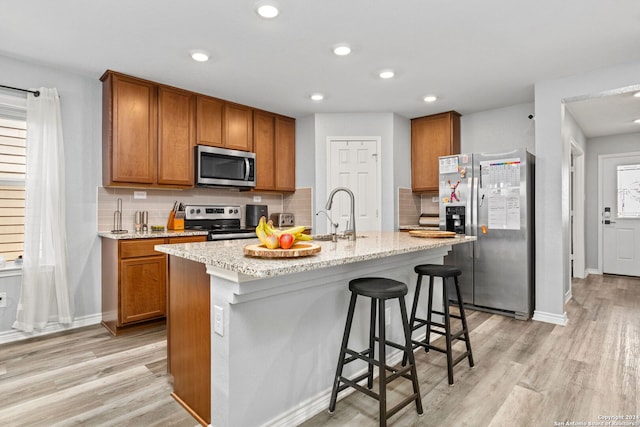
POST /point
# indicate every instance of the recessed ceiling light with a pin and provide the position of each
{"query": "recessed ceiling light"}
(637, 121)
(637, 94)
(316, 97)
(386, 74)
(430, 98)
(199, 55)
(267, 9)
(342, 50)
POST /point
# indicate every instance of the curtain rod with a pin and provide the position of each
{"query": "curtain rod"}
(35, 93)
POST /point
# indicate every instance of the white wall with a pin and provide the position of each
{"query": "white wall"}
(80, 99)
(360, 124)
(552, 179)
(613, 144)
(401, 164)
(498, 130)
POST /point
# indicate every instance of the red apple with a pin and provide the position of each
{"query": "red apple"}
(286, 240)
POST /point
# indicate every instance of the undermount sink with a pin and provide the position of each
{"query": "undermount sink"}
(329, 237)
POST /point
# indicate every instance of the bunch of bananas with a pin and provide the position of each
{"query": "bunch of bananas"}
(270, 236)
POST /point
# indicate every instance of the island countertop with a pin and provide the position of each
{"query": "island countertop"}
(229, 255)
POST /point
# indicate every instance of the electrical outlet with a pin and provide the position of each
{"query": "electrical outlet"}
(139, 194)
(257, 199)
(218, 320)
(387, 316)
(3, 299)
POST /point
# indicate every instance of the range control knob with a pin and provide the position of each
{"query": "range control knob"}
(197, 210)
(192, 211)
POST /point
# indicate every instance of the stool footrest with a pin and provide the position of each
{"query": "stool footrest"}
(363, 355)
(454, 316)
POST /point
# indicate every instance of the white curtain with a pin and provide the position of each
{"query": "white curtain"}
(44, 272)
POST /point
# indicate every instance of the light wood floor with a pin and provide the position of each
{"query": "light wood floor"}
(526, 374)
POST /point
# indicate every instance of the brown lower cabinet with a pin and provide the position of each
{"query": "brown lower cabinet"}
(134, 281)
(189, 337)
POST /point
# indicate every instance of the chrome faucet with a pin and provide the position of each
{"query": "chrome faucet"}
(351, 225)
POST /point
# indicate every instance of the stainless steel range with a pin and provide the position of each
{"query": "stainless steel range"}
(222, 221)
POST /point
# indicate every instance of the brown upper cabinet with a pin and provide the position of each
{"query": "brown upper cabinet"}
(148, 133)
(431, 137)
(224, 124)
(176, 136)
(238, 127)
(210, 113)
(274, 145)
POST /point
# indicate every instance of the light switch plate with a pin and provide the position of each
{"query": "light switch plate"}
(434, 199)
(218, 320)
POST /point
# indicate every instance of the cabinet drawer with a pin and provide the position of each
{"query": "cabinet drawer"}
(139, 248)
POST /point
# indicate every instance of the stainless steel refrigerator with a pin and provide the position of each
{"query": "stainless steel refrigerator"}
(491, 196)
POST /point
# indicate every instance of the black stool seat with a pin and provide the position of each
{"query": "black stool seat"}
(442, 328)
(379, 290)
(378, 287)
(437, 270)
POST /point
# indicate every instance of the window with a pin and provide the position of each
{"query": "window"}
(12, 169)
(629, 191)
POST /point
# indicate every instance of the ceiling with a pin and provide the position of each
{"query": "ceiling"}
(473, 55)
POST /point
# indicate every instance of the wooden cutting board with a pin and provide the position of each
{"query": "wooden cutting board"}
(432, 233)
(297, 250)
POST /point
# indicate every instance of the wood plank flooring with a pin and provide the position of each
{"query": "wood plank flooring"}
(529, 373)
(526, 374)
(86, 377)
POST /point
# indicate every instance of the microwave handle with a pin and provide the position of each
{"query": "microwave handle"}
(247, 169)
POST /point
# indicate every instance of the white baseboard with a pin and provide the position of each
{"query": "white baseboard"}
(567, 296)
(593, 271)
(320, 402)
(15, 335)
(556, 319)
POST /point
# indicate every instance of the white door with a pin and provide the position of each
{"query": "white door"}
(621, 215)
(354, 164)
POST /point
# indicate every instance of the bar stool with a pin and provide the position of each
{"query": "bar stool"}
(444, 272)
(379, 290)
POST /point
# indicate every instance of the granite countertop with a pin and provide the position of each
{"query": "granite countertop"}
(151, 234)
(418, 227)
(229, 255)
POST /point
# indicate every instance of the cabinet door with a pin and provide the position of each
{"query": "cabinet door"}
(285, 154)
(176, 136)
(238, 127)
(209, 121)
(142, 289)
(432, 137)
(264, 143)
(133, 130)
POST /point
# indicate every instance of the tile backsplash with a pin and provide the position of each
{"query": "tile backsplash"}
(408, 207)
(160, 202)
(411, 205)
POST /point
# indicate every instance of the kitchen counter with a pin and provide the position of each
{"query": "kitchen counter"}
(264, 334)
(228, 255)
(151, 234)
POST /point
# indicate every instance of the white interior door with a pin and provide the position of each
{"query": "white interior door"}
(353, 163)
(621, 215)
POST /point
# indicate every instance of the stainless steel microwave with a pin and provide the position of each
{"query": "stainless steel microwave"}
(221, 167)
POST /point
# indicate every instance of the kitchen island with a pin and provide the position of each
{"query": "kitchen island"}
(255, 341)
